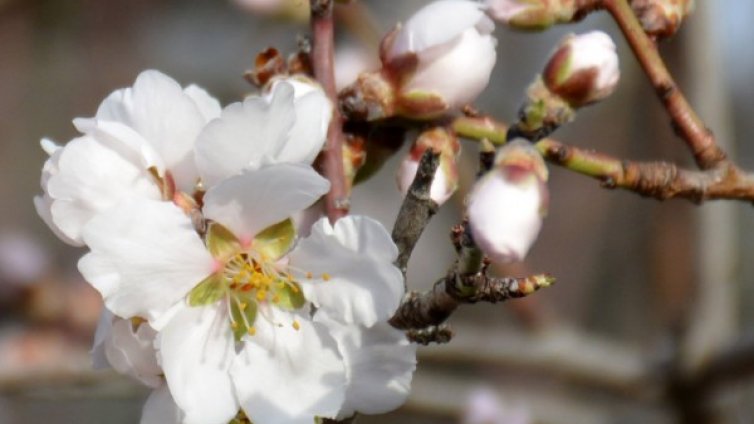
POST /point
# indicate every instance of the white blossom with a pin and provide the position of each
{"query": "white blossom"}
(506, 205)
(583, 69)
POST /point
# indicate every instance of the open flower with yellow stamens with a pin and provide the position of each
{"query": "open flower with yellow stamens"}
(233, 307)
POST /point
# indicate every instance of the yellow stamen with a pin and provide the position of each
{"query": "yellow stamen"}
(242, 306)
(296, 325)
(234, 325)
(326, 277)
(252, 331)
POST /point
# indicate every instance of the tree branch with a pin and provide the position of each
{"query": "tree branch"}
(417, 209)
(421, 310)
(659, 180)
(330, 161)
(687, 123)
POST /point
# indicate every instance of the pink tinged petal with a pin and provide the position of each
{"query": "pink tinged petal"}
(380, 364)
(288, 376)
(354, 279)
(132, 352)
(145, 257)
(196, 350)
(313, 113)
(160, 408)
(437, 23)
(208, 105)
(245, 136)
(169, 119)
(506, 217)
(91, 178)
(446, 74)
(251, 202)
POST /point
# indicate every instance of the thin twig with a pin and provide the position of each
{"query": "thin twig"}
(439, 334)
(330, 161)
(417, 209)
(421, 310)
(659, 180)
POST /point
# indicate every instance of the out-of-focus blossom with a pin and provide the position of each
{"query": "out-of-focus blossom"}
(484, 406)
(445, 180)
(584, 68)
(351, 61)
(506, 206)
(438, 61)
(22, 259)
(531, 14)
(662, 18)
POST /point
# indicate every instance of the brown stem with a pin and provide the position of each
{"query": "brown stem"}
(416, 210)
(421, 310)
(330, 161)
(439, 334)
(688, 125)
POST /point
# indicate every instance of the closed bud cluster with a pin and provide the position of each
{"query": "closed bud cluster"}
(445, 181)
(662, 18)
(438, 61)
(583, 69)
(506, 206)
(531, 14)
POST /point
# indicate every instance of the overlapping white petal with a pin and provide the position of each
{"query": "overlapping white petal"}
(160, 408)
(351, 264)
(131, 351)
(380, 363)
(286, 375)
(196, 350)
(251, 202)
(145, 257)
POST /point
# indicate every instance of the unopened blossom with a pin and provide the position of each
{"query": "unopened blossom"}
(350, 61)
(436, 62)
(506, 205)
(583, 69)
(662, 18)
(242, 289)
(531, 14)
(139, 143)
(445, 181)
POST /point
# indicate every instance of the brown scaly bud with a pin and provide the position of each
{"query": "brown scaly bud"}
(268, 64)
(354, 157)
(662, 18)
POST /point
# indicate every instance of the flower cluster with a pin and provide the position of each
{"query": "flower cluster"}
(188, 213)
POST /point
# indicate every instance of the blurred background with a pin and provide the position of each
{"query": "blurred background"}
(645, 289)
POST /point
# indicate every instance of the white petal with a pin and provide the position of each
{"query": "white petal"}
(145, 256)
(446, 74)
(313, 113)
(245, 136)
(101, 333)
(437, 23)
(160, 408)
(208, 105)
(123, 140)
(357, 254)
(196, 349)
(380, 363)
(91, 178)
(132, 352)
(251, 202)
(505, 217)
(158, 109)
(288, 376)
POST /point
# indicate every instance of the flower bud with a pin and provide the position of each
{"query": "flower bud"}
(531, 14)
(662, 18)
(506, 206)
(297, 10)
(445, 181)
(438, 61)
(583, 69)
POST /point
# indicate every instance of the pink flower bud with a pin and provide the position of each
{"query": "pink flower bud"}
(531, 14)
(583, 69)
(441, 58)
(445, 181)
(662, 18)
(506, 206)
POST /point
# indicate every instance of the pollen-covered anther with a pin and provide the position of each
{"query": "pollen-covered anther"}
(296, 325)
(326, 277)
(252, 331)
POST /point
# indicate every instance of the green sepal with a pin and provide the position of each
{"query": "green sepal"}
(221, 243)
(210, 290)
(242, 317)
(275, 241)
(289, 296)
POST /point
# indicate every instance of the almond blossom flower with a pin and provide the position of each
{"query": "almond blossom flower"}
(149, 141)
(507, 204)
(242, 290)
